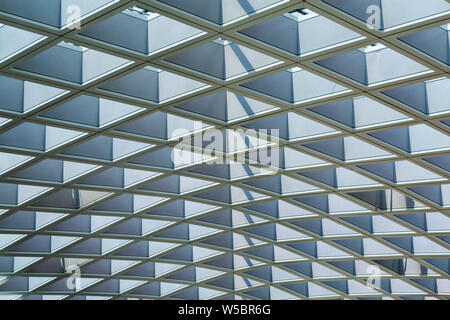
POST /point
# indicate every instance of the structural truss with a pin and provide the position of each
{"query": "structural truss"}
(116, 117)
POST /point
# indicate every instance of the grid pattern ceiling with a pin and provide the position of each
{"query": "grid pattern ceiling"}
(92, 110)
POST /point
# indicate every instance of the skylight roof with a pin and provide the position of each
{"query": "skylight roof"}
(224, 149)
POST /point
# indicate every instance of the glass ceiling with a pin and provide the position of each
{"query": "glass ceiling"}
(224, 149)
